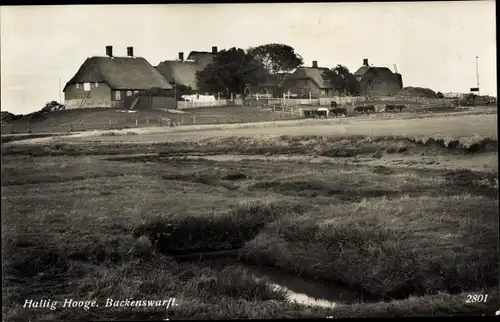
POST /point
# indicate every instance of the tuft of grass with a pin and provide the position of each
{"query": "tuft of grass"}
(221, 231)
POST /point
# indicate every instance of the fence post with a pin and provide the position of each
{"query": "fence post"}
(182, 120)
(147, 121)
(258, 117)
(71, 127)
(110, 124)
(194, 119)
(136, 122)
(83, 129)
(241, 118)
(217, 119)
(158, 120)
(12, 129)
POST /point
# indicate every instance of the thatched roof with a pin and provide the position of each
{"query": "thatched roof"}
(361, 71)
(120, 73)
(312, 73)
(180, 72)
(377, 70)
(194, 53)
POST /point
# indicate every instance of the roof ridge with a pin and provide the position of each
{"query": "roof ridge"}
(178, 61)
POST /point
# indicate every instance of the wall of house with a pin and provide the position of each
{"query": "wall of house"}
(380, 85)
(302, 87)
(98, 96)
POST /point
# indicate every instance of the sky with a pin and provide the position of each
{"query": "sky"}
(433, 44)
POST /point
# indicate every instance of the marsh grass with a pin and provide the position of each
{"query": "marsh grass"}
(75, 224)
(329, 146)
(392, 248)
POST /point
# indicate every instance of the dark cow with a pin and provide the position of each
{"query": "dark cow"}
(359, 109)
(393, 108)
(365, 109)
(321, 114)
(339, 111)
(333, 104)
(308, 113)
(390, 108)
(370, 109)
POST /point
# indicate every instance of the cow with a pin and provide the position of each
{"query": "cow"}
(370, 109)
(365, 109)
(322, 112)
(339, 111)
(308, 113)
(333, 104)
(390, 108)
(393, 108)
(359, 109)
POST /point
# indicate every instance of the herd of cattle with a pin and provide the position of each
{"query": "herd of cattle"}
(323, 112)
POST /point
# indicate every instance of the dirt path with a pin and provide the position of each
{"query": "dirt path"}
(467, 125)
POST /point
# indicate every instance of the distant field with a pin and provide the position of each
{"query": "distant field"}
(98, 119)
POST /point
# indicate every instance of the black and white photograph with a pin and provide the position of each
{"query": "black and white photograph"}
(249, 161)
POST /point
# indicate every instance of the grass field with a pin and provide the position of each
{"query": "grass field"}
(98, 119)
(89, 220)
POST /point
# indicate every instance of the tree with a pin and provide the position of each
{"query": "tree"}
(231, 71)
(52, 107)
(341, 80)
(180, 90)
(439, 95)
(278, 60)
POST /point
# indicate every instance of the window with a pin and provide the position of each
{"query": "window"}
(129, 93)
(86, 87)
(136, 92)
(118, 96)
(96, 84)
(77, 85)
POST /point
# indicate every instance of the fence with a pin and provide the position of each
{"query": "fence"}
(271, 114)
(183, 105)
(323, 101)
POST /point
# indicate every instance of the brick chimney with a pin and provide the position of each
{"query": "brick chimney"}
(109, 51)
(315, 64)
(365, 62)
(214, 49)
(181, 56)
(130, 51)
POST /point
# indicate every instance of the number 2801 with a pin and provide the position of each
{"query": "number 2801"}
(476, 298)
